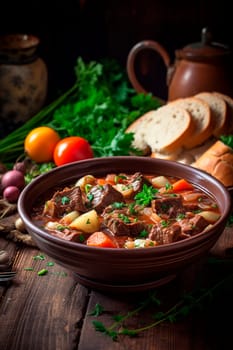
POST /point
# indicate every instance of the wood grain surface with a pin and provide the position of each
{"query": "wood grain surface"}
(55, 312)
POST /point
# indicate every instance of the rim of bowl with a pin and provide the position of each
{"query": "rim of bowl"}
(88, 163)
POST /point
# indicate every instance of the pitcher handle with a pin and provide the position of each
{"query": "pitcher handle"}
(142, 45)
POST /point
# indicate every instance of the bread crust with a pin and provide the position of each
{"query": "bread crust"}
(217, 161)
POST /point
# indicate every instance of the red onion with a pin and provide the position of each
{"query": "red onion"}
(13, 178)
(11, 194)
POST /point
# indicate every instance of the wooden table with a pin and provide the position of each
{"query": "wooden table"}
(54, 312)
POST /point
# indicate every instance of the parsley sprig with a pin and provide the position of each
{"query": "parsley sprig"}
(198, 299)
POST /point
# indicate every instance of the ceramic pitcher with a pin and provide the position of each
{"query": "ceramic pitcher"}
(200, 66)
(23, 80)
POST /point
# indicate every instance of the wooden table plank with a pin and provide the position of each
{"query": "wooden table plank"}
(43, 311)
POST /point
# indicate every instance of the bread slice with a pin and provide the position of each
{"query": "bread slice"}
(218, 108)
(229, 102)
(163, 130)
(202, 118)
(139, 128)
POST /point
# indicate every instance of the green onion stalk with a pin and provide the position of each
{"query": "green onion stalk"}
(12, 145)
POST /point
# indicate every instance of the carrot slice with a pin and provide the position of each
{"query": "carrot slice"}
(182, 185)
(101, 182)
(101, 240)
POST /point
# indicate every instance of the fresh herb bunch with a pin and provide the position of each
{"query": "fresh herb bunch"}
(105, 106)
(99, 106)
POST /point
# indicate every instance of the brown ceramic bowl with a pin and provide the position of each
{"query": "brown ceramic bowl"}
(118, 269)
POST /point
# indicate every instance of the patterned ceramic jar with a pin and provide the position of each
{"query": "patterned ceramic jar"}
(23, 80)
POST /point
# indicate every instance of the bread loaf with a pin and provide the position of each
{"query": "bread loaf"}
(217, 161)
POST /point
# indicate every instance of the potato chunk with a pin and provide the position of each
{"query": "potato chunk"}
(210, 216)
(87, 222)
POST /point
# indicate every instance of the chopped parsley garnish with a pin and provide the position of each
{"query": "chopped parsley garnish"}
(180, 216)
(146, 195)
(61, 227)
(65, 200)
(90, 197)
(132, 209)
(164, 223)
(118, 205)
(124, 218)
(81, 238)
(143, 234)
(168, 187)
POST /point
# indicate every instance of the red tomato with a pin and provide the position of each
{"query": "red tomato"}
(71, 149)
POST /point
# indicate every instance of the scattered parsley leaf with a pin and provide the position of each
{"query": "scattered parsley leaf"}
(98, 310)
(39, 257)
(42, 272)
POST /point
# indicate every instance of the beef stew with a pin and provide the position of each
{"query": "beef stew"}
(127, 211)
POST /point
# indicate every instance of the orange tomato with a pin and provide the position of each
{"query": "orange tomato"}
(40, 143)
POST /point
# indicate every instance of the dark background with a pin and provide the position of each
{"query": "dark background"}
(109, 28)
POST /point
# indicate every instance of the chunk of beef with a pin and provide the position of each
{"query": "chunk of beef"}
(121, 224)
(64, 202)
(137, 181)
(70, 235)
(178, 230)
(193, 225)
(168, 206)
(165, 235)
(122, 207)
(102, 196)
(191, 207)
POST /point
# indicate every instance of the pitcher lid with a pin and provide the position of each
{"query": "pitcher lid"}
(18, 41)
(205, 49)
